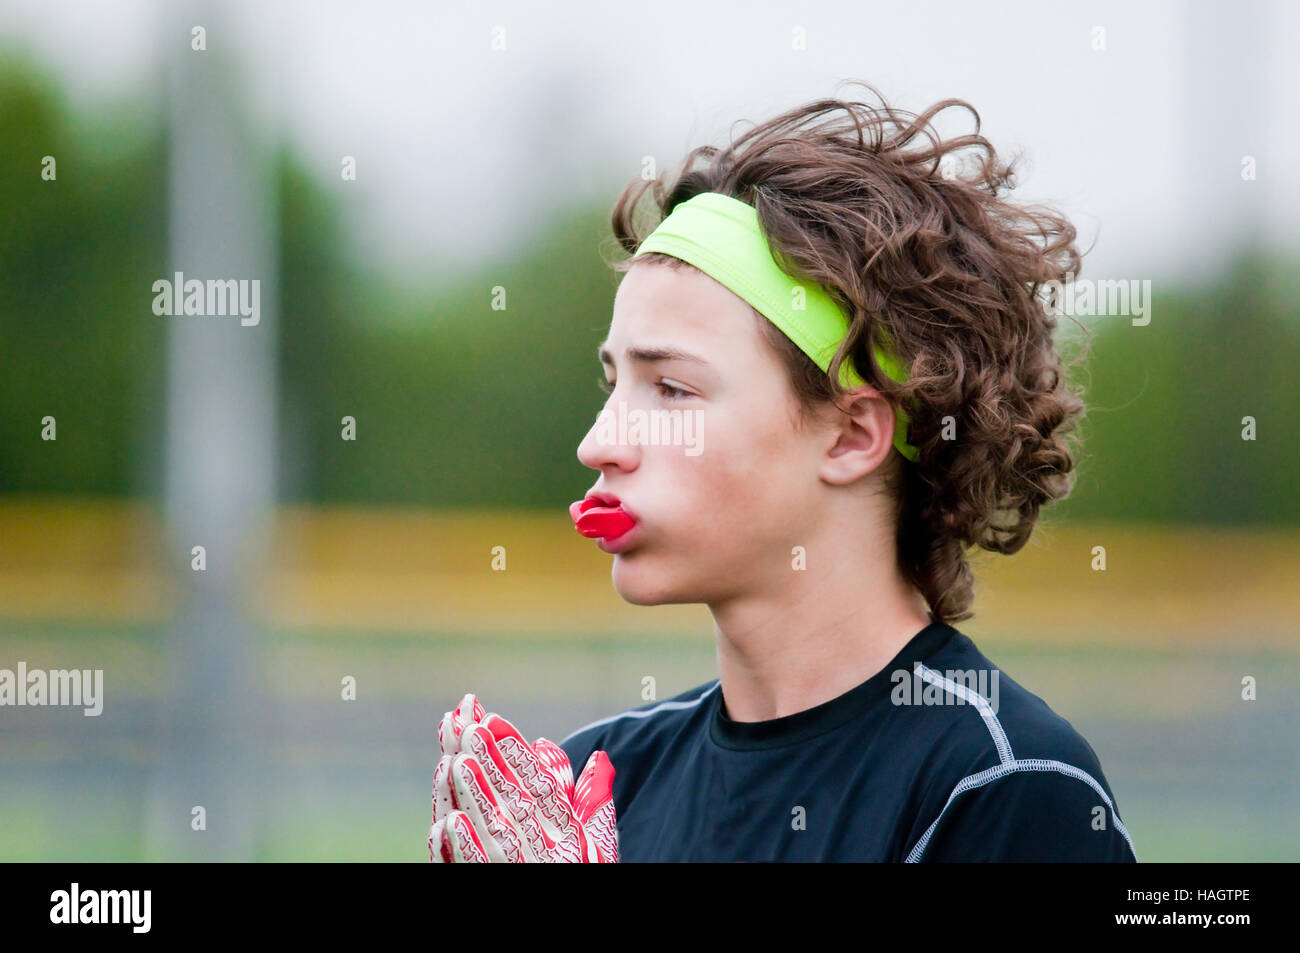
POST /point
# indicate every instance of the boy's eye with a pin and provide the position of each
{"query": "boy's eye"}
(668, 390)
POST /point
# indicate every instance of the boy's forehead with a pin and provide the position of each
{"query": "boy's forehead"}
(663, 301)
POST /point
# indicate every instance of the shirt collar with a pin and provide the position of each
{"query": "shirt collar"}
(803, 725)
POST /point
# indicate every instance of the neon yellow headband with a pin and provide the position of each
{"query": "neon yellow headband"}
(721, 236)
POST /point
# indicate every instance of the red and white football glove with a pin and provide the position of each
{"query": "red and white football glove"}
(497, 798)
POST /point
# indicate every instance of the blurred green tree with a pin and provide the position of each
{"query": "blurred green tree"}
(461, 404)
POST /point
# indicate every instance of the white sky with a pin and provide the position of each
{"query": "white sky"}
(461, 149)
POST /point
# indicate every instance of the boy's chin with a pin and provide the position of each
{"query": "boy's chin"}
(642, 589)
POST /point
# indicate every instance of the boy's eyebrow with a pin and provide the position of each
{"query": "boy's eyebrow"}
(649, 355)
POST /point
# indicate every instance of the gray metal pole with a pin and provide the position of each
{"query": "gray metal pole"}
(1225, 115)
(220, 441)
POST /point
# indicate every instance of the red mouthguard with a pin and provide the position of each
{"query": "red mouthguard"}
(593, 518)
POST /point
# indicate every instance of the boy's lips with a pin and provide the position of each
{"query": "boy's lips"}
(601, 516)
(613, 545)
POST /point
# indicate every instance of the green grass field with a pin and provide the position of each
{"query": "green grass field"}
(1198, 773)
(1145, 659)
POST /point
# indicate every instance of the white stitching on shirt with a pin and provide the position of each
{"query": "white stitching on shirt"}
(646, 713)
(979, 701)
(1030, 764)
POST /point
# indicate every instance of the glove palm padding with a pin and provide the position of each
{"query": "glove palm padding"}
(498, 798)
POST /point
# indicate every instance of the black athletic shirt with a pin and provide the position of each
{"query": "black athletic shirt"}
(945, 760)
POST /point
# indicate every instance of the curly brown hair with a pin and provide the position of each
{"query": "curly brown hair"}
(861, 199)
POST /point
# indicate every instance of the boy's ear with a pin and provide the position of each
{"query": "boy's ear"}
(861, 437)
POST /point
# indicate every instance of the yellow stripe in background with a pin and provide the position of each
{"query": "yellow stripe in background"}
(407, 568)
